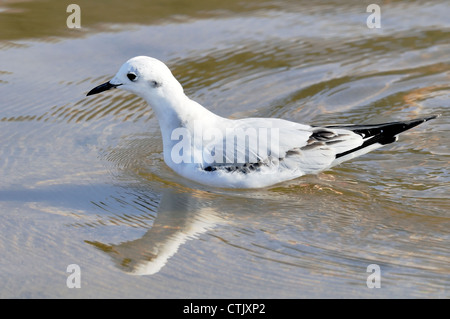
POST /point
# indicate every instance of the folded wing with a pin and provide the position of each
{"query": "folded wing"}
(256, 144)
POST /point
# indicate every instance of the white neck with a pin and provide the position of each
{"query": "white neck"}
(175, 110)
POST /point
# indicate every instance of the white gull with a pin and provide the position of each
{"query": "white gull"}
(244, 153)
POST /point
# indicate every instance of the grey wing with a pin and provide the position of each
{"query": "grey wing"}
(301, 148)
(256, 144)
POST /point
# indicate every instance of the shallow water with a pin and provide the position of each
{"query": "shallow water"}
(83, 181)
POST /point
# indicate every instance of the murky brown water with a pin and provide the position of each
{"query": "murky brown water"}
(82, 180)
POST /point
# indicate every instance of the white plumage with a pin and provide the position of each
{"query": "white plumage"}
(244, 153)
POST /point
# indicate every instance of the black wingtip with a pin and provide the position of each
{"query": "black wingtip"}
(412, 123)
(431, 117)
(382, 134)
(427, 118)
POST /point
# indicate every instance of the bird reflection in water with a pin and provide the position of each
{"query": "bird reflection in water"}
(176, 222)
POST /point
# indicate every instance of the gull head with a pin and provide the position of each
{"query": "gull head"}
(144, 76)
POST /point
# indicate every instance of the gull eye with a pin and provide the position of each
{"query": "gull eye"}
(132, 76)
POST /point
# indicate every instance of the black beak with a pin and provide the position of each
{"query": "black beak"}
(102, 87)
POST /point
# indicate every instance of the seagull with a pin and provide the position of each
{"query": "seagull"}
(242, 153)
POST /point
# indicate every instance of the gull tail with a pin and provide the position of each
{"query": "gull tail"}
(375, 136)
